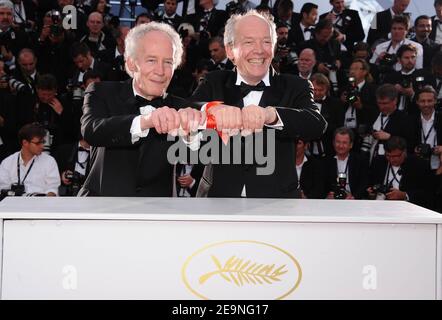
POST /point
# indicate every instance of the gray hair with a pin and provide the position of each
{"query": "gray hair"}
(134, 36)
(229, 31)
(6, 4)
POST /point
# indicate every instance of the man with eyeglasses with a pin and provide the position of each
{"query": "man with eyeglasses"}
(399, 176)
(30, 171)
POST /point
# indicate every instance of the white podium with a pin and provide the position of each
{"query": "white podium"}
(158, 248)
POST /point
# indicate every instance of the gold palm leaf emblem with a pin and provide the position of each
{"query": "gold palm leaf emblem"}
(241, 272)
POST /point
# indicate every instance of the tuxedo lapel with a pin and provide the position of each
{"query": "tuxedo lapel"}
(233, 95)
(272, 94)
(127, 99)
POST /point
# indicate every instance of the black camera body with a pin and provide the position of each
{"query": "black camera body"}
(352, 92)
(424, 151)
(406, 82)
(56, 29)
(331, 66)
(387, 63)
(76, 180)
(16, 190)
(382, 189)
(340, 192)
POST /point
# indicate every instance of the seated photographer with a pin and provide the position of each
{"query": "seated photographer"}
(399, 176)
(24, 77)
(359, 101)
(331, 109)
(389, 122)
(309, 173)
(169, 15)
(429, 129)
(347, 171)
(285, 55)
(408, 80)
(385, 54)
(29, 171)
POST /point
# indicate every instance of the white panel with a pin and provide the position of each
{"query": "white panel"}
(144, 259)
(1, 255)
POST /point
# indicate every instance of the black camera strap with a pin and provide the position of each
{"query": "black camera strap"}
(426, 136)
(384, 124)
(18, 170)
(395, 178)
(18, 13)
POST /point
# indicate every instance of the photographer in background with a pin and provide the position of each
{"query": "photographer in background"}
(385, 54)
(399, 176)
(53, 50)
(285, 59)
(12, 39)
(24, 77)
(429, 128)
(218, 55)
(359, 101)
(328, 53)
(29, 171)
(347, 177)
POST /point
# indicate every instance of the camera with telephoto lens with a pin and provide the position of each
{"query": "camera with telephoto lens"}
(16, 190)
(16, 85)
(76, 179)
(353, 92)
(420, 83)
(56, 29)
(76, 89)
(387, 63)
(424, 151)
(340, 192)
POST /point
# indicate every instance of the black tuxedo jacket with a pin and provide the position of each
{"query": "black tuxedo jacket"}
(415, 181)
(293, 98)
(119, 167)
(351, 27)
(101, 67)
(430, 49)
(434, 29)
(357, 174)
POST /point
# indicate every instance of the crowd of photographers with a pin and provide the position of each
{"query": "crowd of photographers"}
(381, 97)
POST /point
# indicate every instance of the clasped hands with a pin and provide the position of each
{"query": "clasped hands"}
(228, 119)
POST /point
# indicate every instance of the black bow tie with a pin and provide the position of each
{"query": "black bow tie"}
(83, 149)
(309, 30)
(156, 102)
(246, 89)
(220, 66)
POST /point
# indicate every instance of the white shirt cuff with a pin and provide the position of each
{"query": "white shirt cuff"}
(279, 125)
(135, 128)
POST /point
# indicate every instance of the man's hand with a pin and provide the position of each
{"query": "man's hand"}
(190, 120)
(323, 69)
(185, 181)
(2, 121)
(227, 118)
(45, 32)
(396, 194)
(381, 135)
(381, 57)
(164, 120)
(64, 179)
(7, 55)
(340, 37)
(56, 105)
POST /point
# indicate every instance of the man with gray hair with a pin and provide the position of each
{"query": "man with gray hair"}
(127, 123)
(256, 98)
(11, 40)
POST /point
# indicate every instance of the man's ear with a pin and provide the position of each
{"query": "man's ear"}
(229, 52)
(131, 65)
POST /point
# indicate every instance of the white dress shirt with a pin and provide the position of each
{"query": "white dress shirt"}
(386, 45)
(429, 131)
(43, 177)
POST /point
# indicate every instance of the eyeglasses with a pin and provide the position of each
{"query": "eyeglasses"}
(38, 142)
